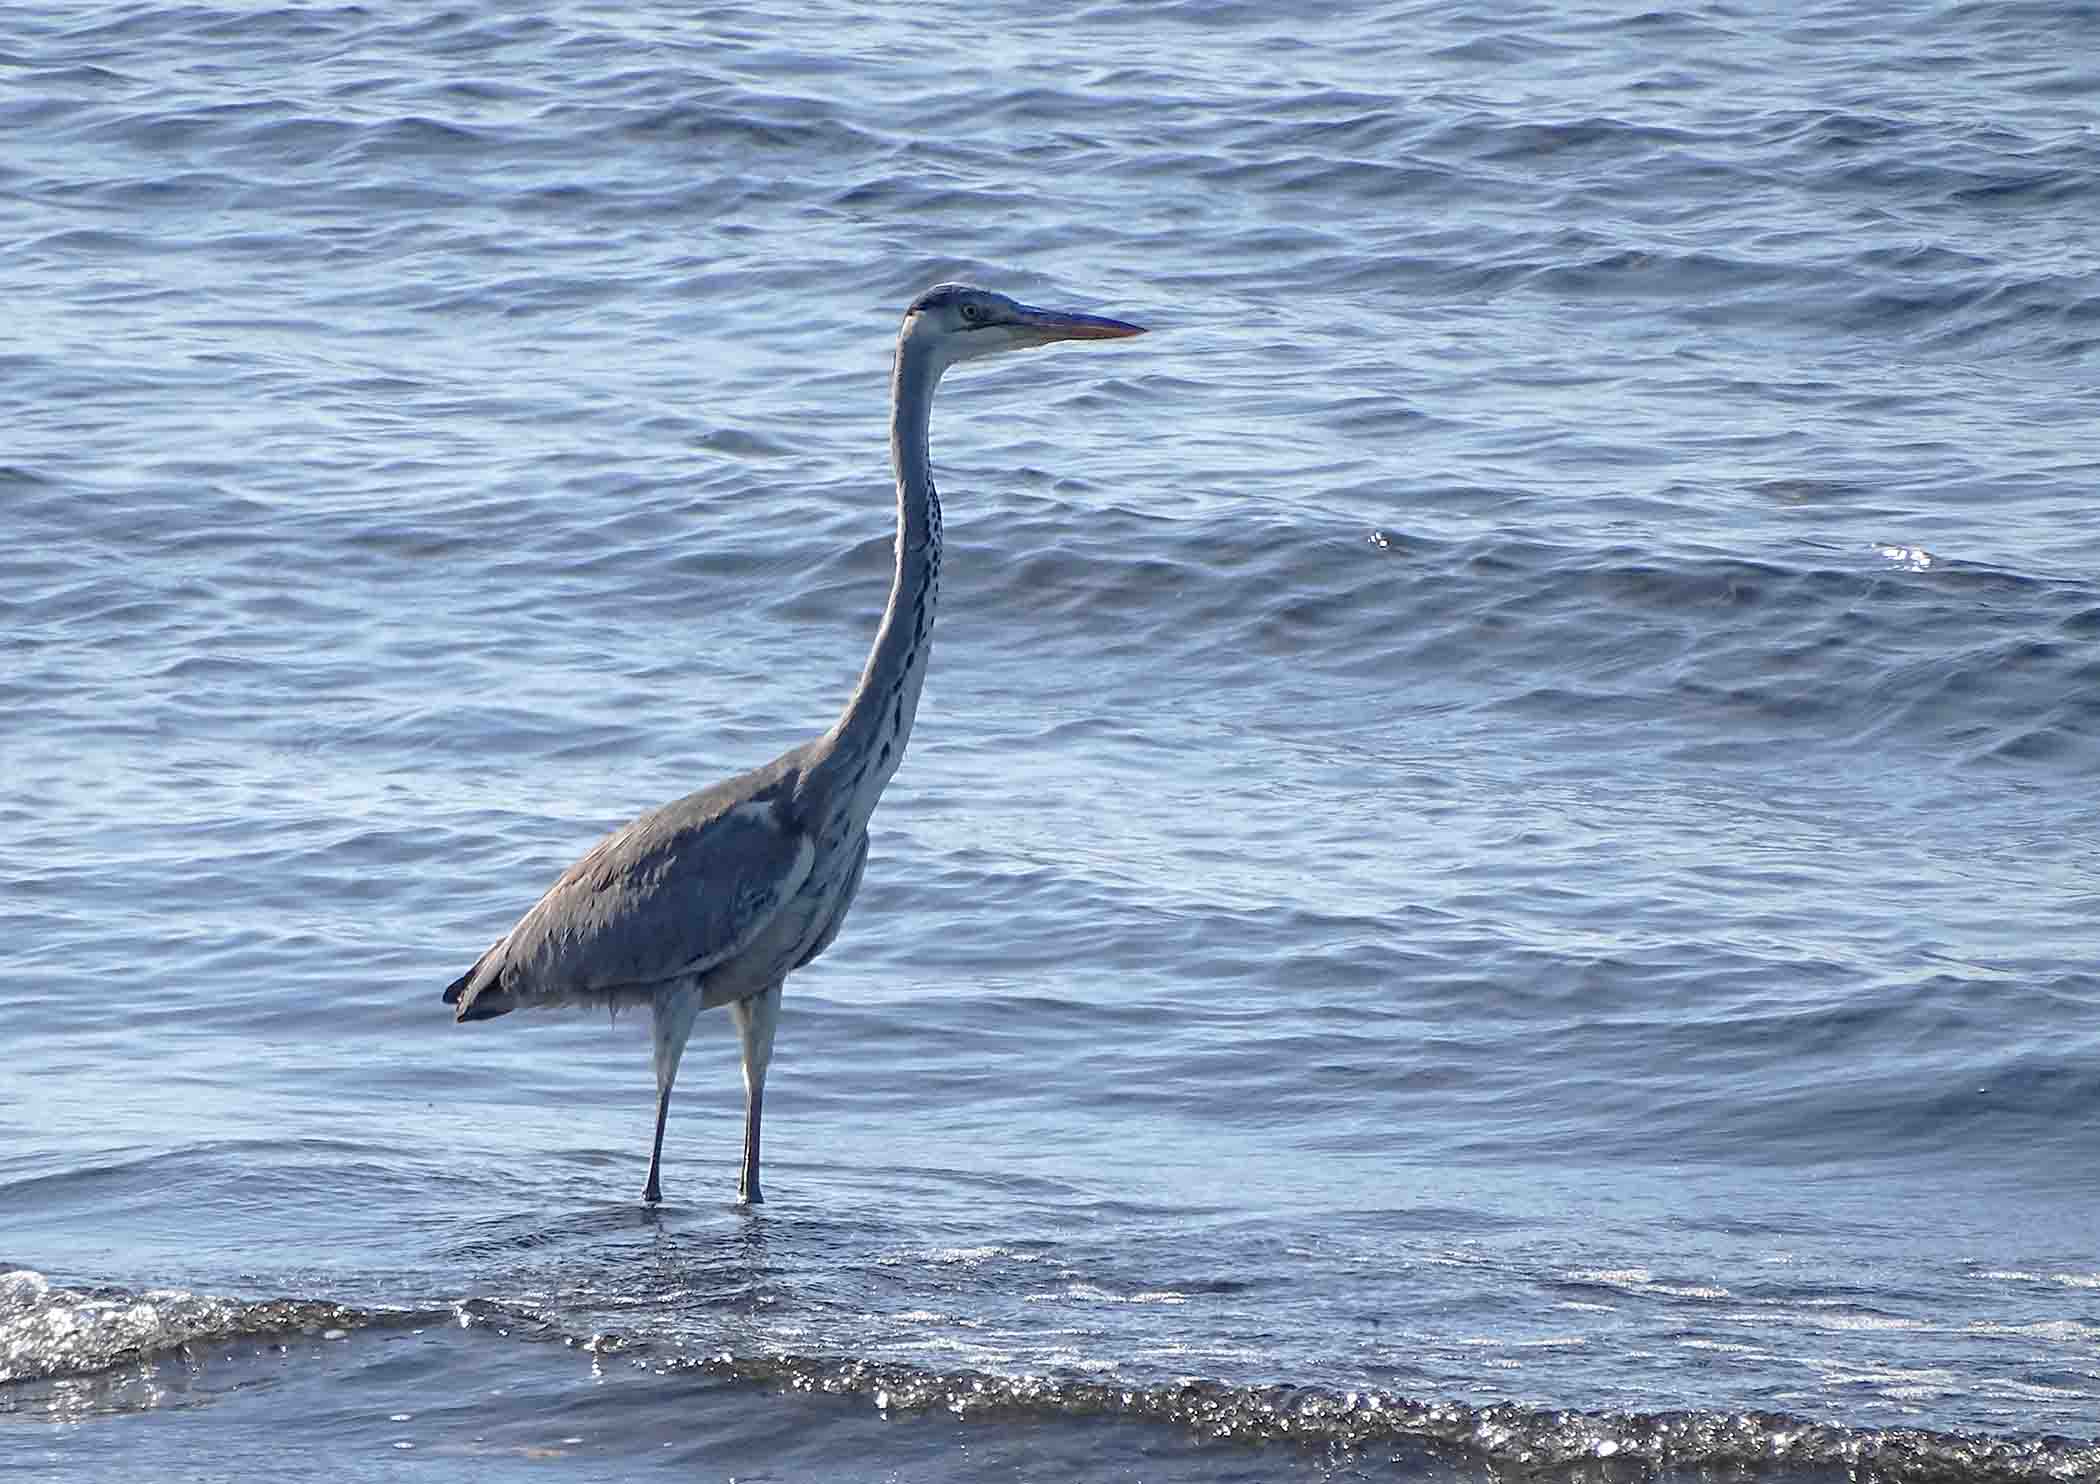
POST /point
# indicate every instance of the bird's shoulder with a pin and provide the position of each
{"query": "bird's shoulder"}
(676, 891)
(749, 818)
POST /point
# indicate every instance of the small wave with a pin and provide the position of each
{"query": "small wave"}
(1095, 1294)
(2068, 1280)
(968, 1257)
(48, 1331)
(1537, 1441)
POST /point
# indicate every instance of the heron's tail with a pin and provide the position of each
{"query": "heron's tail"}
(477, 994)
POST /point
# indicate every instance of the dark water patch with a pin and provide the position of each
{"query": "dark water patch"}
(1834, 132)
(463, 33)
(1678, 24)
(1638, 272)
(1569, 143)
(1370, 134)
(1503, 49)
(90, 241)
(2033, 188)
(736, 130)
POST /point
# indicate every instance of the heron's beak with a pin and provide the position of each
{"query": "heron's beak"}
(1047, 325)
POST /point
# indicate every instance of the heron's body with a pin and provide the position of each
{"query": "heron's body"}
(715, 898)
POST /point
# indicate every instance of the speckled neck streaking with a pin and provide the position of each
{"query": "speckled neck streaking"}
(860, 753)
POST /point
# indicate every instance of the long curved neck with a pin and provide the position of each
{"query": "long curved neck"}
(863, 748)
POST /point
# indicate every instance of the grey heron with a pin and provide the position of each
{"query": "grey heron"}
(715, 898)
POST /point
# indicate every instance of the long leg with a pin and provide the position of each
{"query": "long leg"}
(671, 1022)
(755, 1019)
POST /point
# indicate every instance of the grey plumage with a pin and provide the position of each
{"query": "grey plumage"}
(728, 856)
(715, 898)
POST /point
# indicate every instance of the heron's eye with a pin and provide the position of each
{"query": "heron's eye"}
(972, 313)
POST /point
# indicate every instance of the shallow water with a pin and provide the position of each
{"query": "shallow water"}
(1497, 869)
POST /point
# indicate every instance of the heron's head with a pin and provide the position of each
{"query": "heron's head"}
(953, 322)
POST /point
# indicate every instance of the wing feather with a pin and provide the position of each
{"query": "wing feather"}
(676, 892)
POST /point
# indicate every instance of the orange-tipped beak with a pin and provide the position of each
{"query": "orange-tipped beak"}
(1058, 324)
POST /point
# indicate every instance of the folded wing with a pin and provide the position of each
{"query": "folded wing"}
(675, 893)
